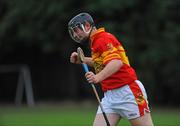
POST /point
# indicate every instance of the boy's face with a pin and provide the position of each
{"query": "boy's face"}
(79, 32)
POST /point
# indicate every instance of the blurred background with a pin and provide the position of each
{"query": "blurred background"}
(35, 47)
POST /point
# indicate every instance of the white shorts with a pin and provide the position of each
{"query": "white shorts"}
(129, 101)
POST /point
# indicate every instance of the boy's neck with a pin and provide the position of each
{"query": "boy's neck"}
(94, 30)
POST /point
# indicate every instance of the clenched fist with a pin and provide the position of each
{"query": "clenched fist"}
(92, 78)
(74, 58)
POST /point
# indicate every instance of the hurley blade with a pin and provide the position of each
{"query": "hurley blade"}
(80, 54)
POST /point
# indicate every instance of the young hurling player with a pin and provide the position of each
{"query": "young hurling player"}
(124, 94)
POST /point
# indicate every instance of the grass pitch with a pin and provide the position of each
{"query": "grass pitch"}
(72, 115)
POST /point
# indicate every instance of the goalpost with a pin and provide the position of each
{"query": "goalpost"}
(24, 83)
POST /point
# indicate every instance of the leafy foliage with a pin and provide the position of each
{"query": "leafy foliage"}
(149, 30)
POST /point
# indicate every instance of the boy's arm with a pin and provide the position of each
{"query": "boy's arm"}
(111, 68)
(88, 61)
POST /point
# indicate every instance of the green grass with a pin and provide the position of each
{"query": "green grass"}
(71, 115)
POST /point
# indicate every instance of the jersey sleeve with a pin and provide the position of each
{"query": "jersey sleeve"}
(107, 48)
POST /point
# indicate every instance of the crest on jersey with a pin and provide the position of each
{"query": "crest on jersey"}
(109, 46)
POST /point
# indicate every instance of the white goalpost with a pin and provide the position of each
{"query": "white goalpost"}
(24, 83)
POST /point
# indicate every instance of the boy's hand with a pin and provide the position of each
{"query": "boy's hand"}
(74, 58)
(92, 78)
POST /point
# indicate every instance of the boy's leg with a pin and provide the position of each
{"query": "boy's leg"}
(142, 121)
(112, 118)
